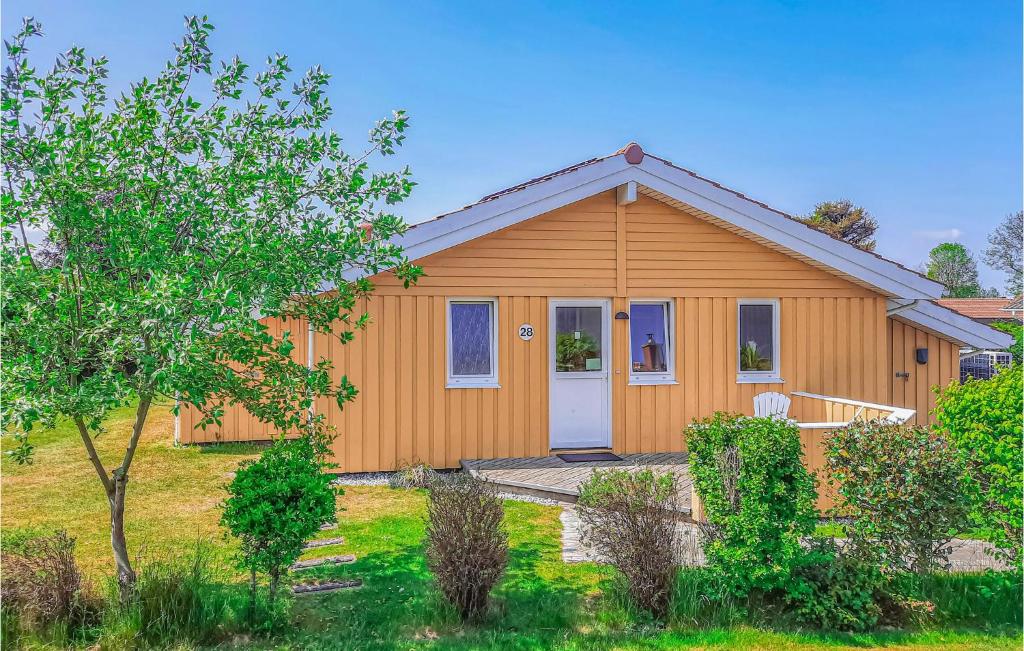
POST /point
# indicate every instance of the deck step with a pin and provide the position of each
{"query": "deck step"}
(554, 479)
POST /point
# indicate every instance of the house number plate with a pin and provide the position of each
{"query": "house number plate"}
(526, 332)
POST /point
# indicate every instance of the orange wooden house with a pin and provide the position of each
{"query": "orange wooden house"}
(608, 304)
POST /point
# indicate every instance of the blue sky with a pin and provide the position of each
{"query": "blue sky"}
(910, 109)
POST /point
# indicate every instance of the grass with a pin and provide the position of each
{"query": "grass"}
(542, 603)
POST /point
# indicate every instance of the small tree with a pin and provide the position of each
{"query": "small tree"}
(845, 221)
(984, 419)
(467, 551)
(758, 498)
(169, 225)
(631, 518)
(276, 503)
(902, 486)
(953, 265)
(1004, 251)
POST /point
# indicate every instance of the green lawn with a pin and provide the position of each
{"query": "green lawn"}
(542, 603)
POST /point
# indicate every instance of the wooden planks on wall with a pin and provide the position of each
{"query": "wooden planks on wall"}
(916, 391)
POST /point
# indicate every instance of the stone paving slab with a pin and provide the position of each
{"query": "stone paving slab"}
(966, 555)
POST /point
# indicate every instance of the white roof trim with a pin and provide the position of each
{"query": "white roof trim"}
(878, 272)
(544, 196)
(953, 325)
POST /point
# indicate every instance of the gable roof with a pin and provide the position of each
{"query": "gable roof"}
(662, 179)
(675, 185)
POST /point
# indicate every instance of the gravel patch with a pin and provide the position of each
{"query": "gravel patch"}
(529, 498)
(363, 479)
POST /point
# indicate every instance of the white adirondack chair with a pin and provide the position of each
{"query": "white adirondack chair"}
(900, 416)
(771, 404)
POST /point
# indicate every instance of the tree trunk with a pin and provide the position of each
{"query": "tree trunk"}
(125, 573)
(275, 576)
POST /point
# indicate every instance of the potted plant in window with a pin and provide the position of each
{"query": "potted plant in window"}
(572, 352)
(751, 360)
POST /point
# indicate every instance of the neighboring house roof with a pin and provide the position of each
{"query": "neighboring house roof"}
(978, 308)
(1016, 305)
(677, 186)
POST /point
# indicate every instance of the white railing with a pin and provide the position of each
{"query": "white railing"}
(850, 410)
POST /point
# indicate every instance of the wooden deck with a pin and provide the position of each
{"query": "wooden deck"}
(555, 479)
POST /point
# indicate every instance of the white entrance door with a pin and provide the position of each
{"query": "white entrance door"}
(580, 355)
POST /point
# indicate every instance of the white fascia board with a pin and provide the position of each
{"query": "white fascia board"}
(427, 238)
(954, 325)
(703, 195)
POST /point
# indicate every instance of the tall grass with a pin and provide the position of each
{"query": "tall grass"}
(987, 600)
(179, 600)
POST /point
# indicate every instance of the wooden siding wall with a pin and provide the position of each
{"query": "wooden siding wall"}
(942, 368)
(833, 337)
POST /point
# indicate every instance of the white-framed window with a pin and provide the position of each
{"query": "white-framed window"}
(757, 354)
(651, 345)
(472, 342)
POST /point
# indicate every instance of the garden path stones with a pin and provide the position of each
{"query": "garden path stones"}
(329, 526)
(314, 544)
(326, 586)
(327, 560)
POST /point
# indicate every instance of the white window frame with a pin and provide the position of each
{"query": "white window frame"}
(472, 381)
(762, 377)
(654, 377)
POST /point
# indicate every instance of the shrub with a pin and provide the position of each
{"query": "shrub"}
(758, 498)
(418, 475)
(42, 587)
(467, 550)
(276, 503)
(631, 519)
(1016, 329)
(902, 488)
(836, 590)
(983, 419)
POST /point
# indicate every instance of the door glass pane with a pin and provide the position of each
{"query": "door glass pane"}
(471, 339)
(756, 337)
(577, 339)
(647, 337)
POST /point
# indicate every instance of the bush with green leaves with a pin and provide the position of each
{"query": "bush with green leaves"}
(467, 550)
(631, 518)
(836, 589)
(276, 503)
(983, 418)
(758, 498)
(902, 488)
